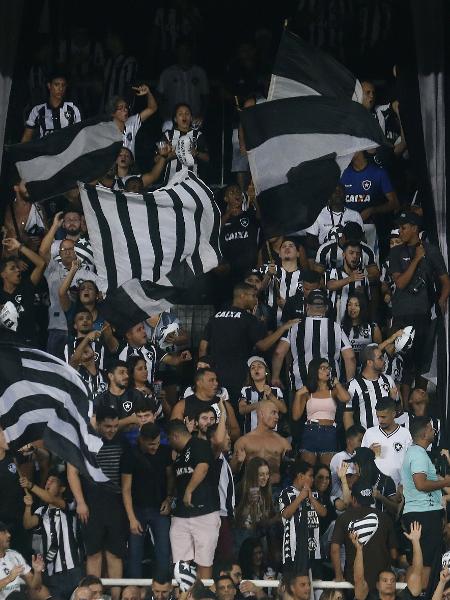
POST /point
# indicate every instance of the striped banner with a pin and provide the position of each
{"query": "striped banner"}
(147, 236)
(43, 398)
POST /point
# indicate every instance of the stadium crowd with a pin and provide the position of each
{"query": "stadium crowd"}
(285, 415)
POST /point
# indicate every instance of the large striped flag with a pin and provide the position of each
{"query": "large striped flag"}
(54, 164)
(303, 70)
(145, 245)
(297, 148)
(43, 398)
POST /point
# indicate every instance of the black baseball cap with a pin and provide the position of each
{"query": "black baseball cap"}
(408, 216)
(361, 456)
(317, 298)
(362, 492)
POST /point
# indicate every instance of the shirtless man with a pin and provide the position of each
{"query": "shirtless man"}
(263, 441)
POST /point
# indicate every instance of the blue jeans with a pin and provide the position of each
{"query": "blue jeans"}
(160, 526)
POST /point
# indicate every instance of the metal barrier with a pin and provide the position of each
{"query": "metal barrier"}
(270, 583)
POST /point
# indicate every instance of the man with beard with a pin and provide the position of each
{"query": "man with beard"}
(119, 396)
(330, 254)
(18, 288)
(71, 224)
(342, 282)
(368, 388)
(137, 343)
(205, 396)
(388, 440)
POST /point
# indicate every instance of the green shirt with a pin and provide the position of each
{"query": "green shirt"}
(418, 461)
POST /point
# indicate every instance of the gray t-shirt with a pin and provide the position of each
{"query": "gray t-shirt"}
(406, 302)
(55, 274)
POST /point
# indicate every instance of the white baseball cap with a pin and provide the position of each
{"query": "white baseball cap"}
(253, 359)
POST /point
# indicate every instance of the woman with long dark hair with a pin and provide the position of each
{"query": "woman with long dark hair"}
(319, 397)
(138, 380)
(356, 324)
(255, 512)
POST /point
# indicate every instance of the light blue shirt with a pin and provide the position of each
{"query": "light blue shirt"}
(418, 461)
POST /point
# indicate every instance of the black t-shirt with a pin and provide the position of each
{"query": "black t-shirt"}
(205, 498)
(193, 405)
(406, 302)
(294, 307)
(239, 241)
(123, 404)
(403, 595)
(23, 300)
(231, 334)
(149, 484)
(11, 497)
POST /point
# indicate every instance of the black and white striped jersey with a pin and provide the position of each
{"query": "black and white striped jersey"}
(61, 536)
(339, 298)
(48, 119)
(292, 527)
(150, 353)
(283, 284)
(393, 366)
(97, 346)
(364, 395)
(132, 126)
(227, 495)
(315, 337)
(360, 336)
(173, 137)
(251, 395)
(331, 256)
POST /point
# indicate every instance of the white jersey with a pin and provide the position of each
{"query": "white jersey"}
(132, 126)
(328, 220)
(7, 563)
(393, 449)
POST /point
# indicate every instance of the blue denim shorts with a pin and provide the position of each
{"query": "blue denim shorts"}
(319, 438)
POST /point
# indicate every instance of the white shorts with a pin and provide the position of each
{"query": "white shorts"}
(195, 538)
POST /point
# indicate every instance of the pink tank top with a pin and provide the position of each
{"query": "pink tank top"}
(320, 408)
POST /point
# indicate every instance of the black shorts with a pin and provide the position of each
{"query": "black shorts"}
(107, 528)
(432, 533)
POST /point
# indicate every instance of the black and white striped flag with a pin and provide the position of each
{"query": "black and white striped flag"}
(297, 148)
(146, 236)
(303, 70)
(365, 528)
(55, 163)
(43, 398)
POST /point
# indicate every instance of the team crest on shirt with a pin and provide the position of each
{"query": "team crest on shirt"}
(67, 114)
(12, 468)
(366, 184)
(129, 136)
(127, 406)
(385, 387)
(244, 221)
(398, 447)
